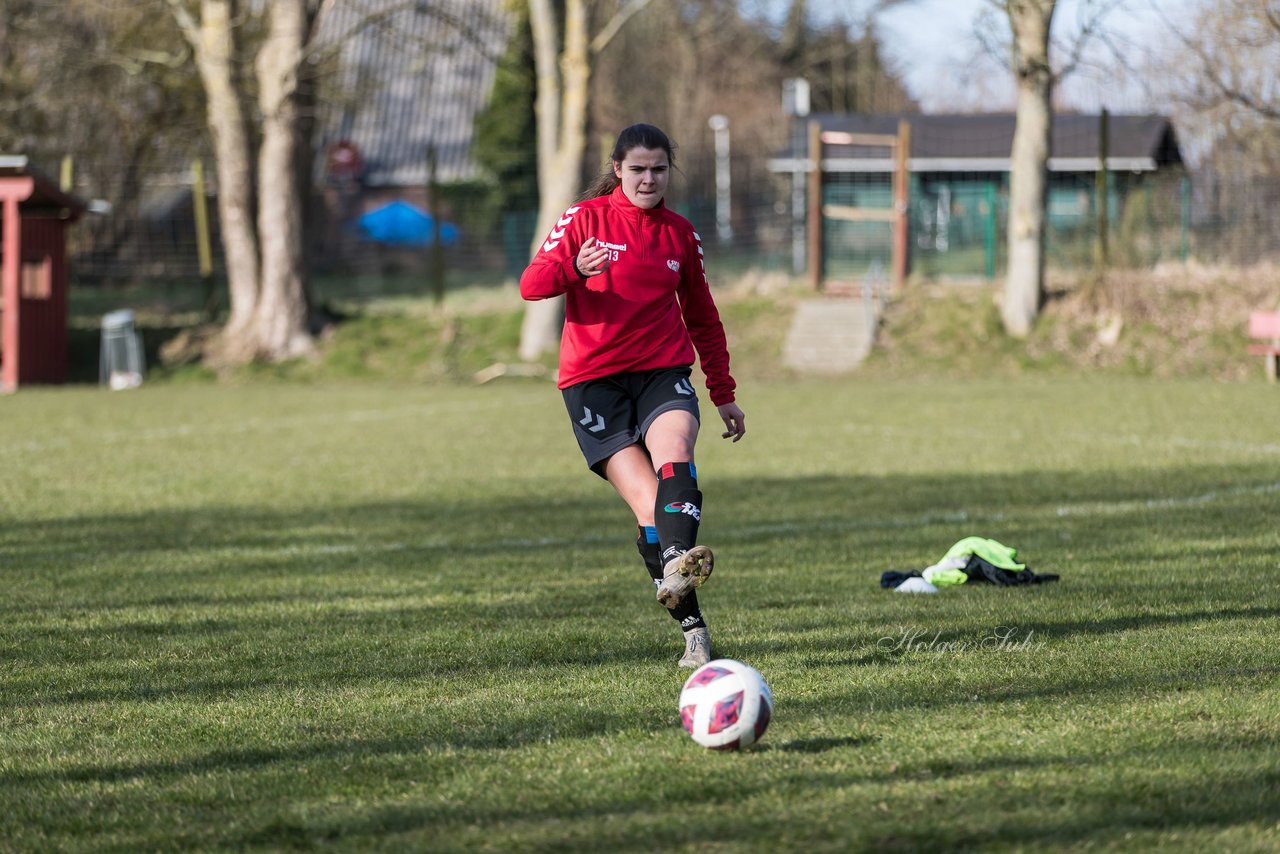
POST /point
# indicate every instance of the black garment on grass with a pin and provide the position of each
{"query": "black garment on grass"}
(980, 570)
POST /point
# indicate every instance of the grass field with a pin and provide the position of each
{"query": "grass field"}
(396, 617)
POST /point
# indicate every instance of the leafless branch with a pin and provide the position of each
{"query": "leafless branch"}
(987, 31)
(1211, 70)
(186, 21)
(1244, 99)
(1095, 13)
(615, 23)
(381, 14)
(137, 60)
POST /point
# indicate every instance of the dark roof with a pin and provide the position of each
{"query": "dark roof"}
(983, 142)
(410, 80)
(45, 195)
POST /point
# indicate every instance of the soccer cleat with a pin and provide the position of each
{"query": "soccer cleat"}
(684, 573)
(697, 648)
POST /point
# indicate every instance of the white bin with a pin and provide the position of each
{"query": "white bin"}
(123, 363)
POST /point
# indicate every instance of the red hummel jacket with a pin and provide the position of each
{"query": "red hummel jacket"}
(649, 309)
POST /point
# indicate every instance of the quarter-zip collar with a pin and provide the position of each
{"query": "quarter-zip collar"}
(618, 201)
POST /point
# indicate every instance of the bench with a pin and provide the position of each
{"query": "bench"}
(1264, 326)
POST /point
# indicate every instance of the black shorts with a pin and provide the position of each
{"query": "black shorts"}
(614, 412)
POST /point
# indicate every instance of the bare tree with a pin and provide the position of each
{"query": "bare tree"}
(269, 314)
(716, 61)
(281, 317)
(259, 162)
(1030, 24)
(1030, 21)
(563, 53)
(1235, 45)
(1221, 74)
(213, 40)
(107, 85)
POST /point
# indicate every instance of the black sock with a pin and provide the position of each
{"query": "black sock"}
(651, 552)
(678, 509)
(687, 613)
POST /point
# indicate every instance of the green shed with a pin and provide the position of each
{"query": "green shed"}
(959, 185)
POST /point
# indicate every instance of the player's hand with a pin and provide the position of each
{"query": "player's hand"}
(593, 259)
(734, 419)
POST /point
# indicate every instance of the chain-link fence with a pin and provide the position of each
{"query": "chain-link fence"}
(958, 226)
(959, 223)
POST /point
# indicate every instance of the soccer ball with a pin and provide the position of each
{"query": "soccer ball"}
(725, 704)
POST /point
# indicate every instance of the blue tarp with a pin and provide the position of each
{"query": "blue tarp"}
(402, 224)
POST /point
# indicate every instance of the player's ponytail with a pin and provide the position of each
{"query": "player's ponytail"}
(635, 136)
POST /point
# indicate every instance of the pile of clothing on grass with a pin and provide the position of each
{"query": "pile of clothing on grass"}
(973, 559)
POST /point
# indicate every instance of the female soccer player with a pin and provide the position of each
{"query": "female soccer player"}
(637, 307)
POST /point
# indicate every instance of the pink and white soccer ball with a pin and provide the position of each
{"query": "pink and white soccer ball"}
(725, 705)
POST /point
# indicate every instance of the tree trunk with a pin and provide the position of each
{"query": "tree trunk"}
(564, 87)
(265, 266)
(280, 322)
(1030, 21)
(563, 77)
(540, 329)
(214, 46)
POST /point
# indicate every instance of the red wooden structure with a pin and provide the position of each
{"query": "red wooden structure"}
(1264, 327)
(34, 215)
